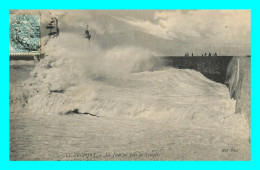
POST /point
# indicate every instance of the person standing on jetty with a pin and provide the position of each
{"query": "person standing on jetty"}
(186, 55)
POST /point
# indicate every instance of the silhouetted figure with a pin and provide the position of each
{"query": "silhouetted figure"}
(215, 54)
(192, 54)
(205, 54)
(209, 54)
(202, 55)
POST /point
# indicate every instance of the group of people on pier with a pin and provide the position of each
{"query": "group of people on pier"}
(205, 54)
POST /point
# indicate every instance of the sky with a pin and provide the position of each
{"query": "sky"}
(166, 32)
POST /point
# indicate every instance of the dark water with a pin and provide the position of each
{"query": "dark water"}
(19, 73)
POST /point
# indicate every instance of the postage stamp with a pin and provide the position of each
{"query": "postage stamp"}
(25, 34)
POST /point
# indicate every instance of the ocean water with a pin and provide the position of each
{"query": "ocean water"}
(152, 113)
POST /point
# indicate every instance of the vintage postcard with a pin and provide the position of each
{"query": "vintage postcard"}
(130, 85)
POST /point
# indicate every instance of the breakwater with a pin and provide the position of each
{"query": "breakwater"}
(214, 68)
(234, 72)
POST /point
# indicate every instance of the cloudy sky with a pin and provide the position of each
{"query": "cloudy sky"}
(167, 32)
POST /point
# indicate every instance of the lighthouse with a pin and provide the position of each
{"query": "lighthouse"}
(87, 34)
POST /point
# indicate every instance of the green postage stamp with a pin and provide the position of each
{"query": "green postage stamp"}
(25, 34)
